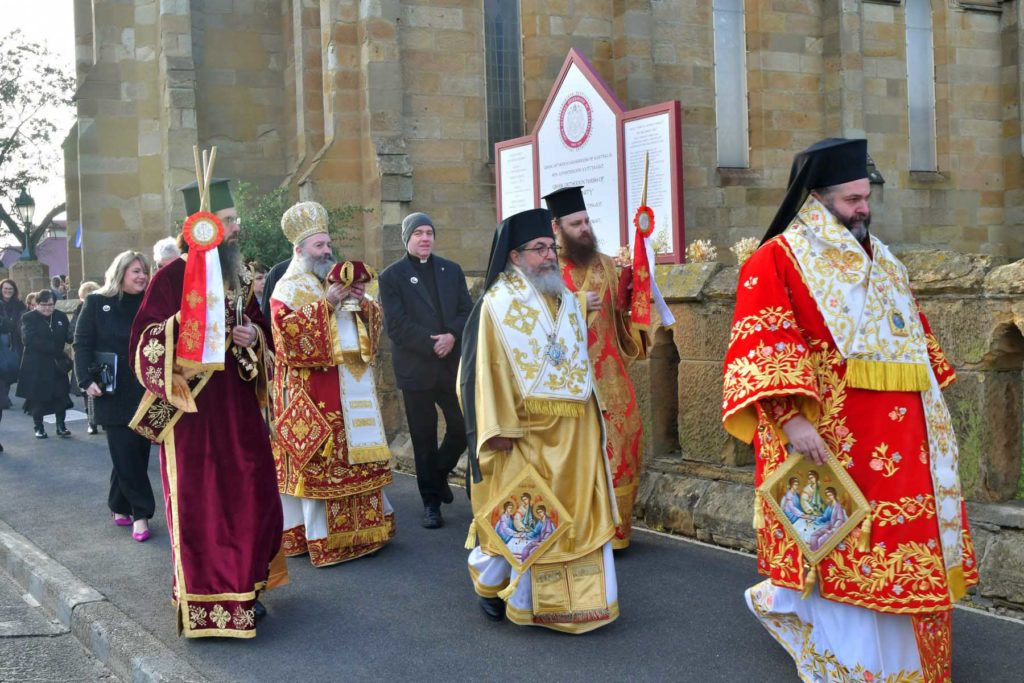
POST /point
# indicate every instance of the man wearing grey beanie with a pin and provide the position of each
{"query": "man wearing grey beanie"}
(426, 303)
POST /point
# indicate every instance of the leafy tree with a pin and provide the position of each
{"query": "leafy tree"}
(33, 93)
(261, 237)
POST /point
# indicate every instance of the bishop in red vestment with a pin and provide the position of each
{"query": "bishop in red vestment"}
(830, 354)
(220, 491)
(330, 449)
(612, 343)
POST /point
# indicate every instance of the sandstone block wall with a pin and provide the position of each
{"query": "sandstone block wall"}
(382, 103)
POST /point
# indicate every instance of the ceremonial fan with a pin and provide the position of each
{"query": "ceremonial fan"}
(641, 279)
(201, 341)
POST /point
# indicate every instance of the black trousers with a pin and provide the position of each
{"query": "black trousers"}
(434, 463)
(42, 409)
(130, 490)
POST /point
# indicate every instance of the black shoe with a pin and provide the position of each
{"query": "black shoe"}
(447, 496)
(40, 433)
(259, 610)
(63, 431)
(432, 518)
(494, 608)
(91, 430)
(1, 448)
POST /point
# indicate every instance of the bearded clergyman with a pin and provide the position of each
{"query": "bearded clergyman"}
(329, 445)
(612, 341)
(532, 414)
(223, 514)
(831, 358)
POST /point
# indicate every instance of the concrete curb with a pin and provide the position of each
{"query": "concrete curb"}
(110, 635)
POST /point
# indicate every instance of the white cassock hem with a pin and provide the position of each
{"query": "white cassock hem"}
(844, 641)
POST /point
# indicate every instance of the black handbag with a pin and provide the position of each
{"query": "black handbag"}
(104, 371)
(64, 364)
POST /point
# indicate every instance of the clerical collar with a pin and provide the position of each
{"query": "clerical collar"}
(416, 260)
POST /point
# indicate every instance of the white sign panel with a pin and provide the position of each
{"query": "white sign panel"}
(651, 136)
(577, 145)
(515, 168)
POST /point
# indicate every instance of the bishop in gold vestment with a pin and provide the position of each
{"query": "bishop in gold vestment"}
(528, 392)
(329, 446)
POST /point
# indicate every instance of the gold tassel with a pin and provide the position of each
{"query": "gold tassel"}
(886, 375)
(506, 592)
(809, 581)
(864, 542)
(758, 511)
(570, 545)
(300, 487)
(557, 408)
(471, 536)
(329, 450)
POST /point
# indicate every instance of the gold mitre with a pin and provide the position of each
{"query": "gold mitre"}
(302, 220)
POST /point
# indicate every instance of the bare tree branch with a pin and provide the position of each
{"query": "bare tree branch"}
(8, 221)
(47, 221)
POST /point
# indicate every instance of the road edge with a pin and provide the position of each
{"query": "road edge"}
(119, 642)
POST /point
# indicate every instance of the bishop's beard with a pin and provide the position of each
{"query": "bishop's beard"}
(546, 278)
(321, 267)
(230, 255)
(580, 250)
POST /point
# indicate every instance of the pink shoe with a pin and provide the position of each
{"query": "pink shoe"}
(141, 536)
(121, 521)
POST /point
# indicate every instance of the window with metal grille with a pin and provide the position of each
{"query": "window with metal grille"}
(503, 41)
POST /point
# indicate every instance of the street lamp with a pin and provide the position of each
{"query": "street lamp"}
(25, 207)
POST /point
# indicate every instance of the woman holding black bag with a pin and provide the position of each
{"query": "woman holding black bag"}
(101, 364)
(43, 380)
(11, 310)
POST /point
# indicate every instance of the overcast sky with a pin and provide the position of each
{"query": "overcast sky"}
(50, 22)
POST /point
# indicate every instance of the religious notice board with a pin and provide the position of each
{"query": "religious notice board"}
(584, 137)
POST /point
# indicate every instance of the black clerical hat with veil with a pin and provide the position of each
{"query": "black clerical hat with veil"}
(566, 201)
(833, 161)
(514, 231)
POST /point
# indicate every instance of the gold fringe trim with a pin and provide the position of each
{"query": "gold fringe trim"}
(367, 454)
(758, 510)
(471, 536)
(887, 376)
(809, 581)
(580, 617)
(957, 583)
(864, 542)
(507, 592)
(558, 408)
(377, 534)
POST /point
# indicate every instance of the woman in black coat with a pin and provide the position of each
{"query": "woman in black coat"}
(104, 326)
(43, 379)
(11, 310)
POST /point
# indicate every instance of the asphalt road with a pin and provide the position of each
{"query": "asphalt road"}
(409, 613)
